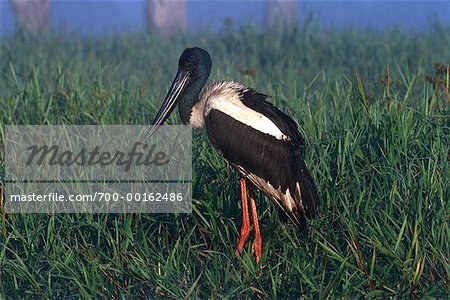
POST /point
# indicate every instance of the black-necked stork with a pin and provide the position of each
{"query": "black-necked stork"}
(260, 141)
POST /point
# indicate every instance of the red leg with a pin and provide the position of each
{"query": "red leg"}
(245, 229)
(257, 246)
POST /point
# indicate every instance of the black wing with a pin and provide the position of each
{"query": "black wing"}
(258, 102)
(279, 163)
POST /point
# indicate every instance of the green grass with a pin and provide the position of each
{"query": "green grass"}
(378, 149)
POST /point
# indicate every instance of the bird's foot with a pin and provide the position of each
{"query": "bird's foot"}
(245, 231)
(257, 247)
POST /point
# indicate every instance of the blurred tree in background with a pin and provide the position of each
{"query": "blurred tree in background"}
(32, 15)
(167, 16)
(279, 14)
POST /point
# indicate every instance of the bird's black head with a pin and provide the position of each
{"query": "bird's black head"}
(194, 67)
(196, 61)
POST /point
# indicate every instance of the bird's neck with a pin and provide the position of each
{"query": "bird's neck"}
(197, 117)
(191, 98)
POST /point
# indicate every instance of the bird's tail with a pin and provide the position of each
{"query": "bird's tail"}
(305, 194)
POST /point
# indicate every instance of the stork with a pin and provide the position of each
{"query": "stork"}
(259, 141)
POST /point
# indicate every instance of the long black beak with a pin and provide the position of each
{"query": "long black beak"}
(170, 102)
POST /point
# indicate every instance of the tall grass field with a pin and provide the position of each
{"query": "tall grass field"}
(373, 107)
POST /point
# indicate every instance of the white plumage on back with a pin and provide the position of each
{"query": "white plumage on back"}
(224, 96)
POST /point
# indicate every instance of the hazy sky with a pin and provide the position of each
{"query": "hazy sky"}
(95, 17)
